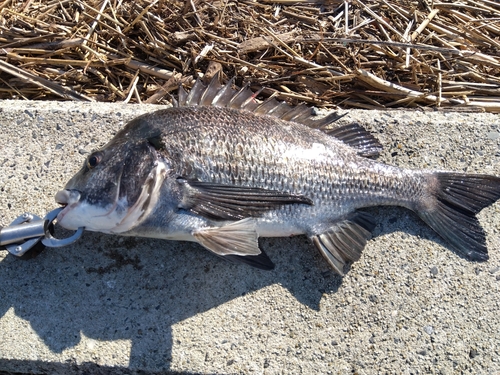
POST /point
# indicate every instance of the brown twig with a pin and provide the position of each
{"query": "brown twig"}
(359, 53)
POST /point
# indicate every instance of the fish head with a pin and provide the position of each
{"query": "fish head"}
(116, 188)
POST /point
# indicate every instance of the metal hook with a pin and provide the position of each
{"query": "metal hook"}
(28, 229)
(22, 234)
(49, 240)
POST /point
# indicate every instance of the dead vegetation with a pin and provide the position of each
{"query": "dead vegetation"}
(356, 53)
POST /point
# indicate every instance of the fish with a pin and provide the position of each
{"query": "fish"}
(222, 169)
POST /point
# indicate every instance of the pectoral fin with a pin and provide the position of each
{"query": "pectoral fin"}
(237, 242)
(345, 240)
(231, 202)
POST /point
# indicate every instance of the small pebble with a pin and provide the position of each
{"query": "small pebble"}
(473, 353)
(494, 270)
(493, 135)
(429, 330)
(434, 271)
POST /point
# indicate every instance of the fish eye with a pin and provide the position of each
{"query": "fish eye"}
(94, 160)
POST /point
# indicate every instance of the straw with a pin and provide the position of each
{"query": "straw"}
(352, 54)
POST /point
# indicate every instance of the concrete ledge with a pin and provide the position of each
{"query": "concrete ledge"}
(133, 306)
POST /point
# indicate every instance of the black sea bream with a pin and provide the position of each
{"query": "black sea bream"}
(222, 169)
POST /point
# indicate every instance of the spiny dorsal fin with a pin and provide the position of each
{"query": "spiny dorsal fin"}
(215, 94)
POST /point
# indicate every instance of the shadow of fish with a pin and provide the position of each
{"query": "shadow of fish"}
(222, 169)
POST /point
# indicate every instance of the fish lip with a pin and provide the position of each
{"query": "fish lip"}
(65, 210)
(69, 199)
(67, 196)
(73, 199)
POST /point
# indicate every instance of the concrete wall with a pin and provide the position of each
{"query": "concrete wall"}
(108, 304)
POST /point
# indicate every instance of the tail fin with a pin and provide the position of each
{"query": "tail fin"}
(458, 198)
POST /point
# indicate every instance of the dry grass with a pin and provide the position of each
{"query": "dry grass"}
(357, 53)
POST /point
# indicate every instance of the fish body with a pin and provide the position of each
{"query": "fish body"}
(222, 170)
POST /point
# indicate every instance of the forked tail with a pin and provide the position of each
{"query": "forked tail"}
(451, 209)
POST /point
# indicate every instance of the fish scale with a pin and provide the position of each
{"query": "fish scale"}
(340, 169)
(223, 170)
(309, 177)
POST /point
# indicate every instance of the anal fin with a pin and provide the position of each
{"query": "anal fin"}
(237, 242)
(343, 242)
(260, 261)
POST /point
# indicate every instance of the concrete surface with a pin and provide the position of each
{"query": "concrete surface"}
(124, 305)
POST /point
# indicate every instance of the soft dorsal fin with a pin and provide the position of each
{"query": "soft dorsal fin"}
(215, 94)
(357, 137)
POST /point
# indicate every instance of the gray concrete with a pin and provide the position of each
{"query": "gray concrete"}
(121, 305)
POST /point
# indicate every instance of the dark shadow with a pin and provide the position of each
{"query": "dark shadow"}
(110, 287)
(392, 219)
(20, 367)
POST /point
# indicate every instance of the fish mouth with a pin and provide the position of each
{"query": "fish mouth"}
(118, 216)
(78, 212)
(69, 199)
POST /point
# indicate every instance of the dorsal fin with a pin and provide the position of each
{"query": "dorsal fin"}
(215, 94)
(357, 137)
